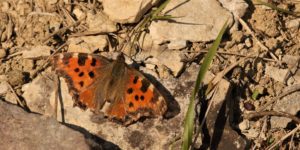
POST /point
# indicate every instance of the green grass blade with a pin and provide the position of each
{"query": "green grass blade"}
(190, 114)
(276, 8)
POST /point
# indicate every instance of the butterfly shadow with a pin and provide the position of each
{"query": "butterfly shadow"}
(94, 141)
(172, 104)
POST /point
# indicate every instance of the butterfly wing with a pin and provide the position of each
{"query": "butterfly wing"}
(140, 99)
(81, 72)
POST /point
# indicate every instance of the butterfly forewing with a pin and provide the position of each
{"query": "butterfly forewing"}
(80, 71)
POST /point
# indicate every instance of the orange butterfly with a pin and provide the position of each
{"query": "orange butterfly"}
(94, 80)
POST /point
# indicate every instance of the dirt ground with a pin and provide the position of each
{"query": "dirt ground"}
(271, 37)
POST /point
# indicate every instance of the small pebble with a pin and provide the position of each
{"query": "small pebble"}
(2, 53)
(248, 42)
(244, 125)
(248, 106)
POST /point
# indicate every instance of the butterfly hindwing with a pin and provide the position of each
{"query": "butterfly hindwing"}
(141, 99)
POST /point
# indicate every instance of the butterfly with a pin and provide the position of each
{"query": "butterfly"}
(94, 80)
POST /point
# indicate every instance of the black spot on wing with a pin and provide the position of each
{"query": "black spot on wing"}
(81, 83)
(82, 57)
(136, 97)
(145, 85)
(136, 78)
(142, 98)
(93, 63)
(81, 74)
(76, 69)
(130, 90)
(130, 104)
(91, 74)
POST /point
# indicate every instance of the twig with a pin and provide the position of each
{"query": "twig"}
(241, 55)
(23, 105)
(271, 113)
(244, 24)
(213, 82)
(62, 30)
(284, 137)
(290, 90)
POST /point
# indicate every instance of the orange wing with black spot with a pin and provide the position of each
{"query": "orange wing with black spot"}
(80, 72)
(141, 99)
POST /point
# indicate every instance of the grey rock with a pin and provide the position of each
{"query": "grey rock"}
(22, 130)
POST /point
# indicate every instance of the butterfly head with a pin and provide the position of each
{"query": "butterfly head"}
(121, 58)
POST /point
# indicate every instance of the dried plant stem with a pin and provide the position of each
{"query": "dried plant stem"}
(271, 113)
(23, 105)
(284, 137)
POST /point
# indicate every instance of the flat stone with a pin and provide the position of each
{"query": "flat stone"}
(36, 52)
(22, 130)
(280, 75)
(196, 21)
(289, 104)
(87, 44)
(172, 59)
(177, 45)
(99, 22)
(43, 87)
(127, 11)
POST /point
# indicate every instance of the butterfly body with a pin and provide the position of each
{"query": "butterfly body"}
(95, 80)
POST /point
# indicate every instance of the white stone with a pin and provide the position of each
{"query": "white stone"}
(126, 11)
(295, 23)
(280, 75)
(87, 44)
(177, 44)
(172, 59)
(244, 125)
(78, 12)
(237, 7)
(248, 42)
(252, 133)
(2, 53)
(36, 52)
(198, 21)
